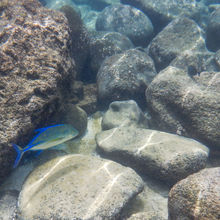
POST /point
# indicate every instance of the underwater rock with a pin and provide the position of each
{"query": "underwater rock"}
(186, 105)
(161, 12)
(78, 187)
(105, 44)
(146, 216)
(125, 76)
(213, 31)
(195, 62)
(196, 197)
(164, 156)
(178, 36)
(35, 67)
(8, 202)
(89, 100)
(151, 203)
(128, 21)
(123, 114)
(80, 38)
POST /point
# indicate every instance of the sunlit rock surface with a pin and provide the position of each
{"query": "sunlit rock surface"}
(125, 76)
(78, 187)
(123, 114)
(196, 197)
(8, 202)
(178, 36)
(187, 105)
(128, 21)
(165, 156)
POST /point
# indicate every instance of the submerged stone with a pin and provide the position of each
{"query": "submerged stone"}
(164, 156)
(78, 187)
(196, 197)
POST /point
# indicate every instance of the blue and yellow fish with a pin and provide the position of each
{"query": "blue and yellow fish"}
(47, 137)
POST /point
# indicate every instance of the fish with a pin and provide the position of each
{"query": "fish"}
(46, 138)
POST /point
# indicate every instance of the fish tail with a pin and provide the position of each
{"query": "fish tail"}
(20, 153)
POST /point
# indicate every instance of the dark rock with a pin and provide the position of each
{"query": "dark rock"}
(35, 68)
(125, 76)
(209, 2)
(213, 31)
(196, 197)
(78, 187)
(161, 12)
(80, 38)
(105, 44)
(126, 20)
(89, 101)
(164, 156)
(186, 105)
(123, 114)
(180, 35)
(8, 202)
(196, 62)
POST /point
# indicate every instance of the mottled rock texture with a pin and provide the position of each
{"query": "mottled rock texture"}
(196, 197)
(105, 44)
(161, 12)
(164, 156)
(8, 200)
(35, 69)
(180, 35)
(78, 187)
(126, 20)
(123, 114)
(125, 76)
(186, 105)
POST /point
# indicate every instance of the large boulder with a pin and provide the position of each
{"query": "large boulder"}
(106, 44)
(126, 20)
(164, 156)
(161, 12)
(123, 114)
(180, 35)
(186, 105)
(78, 187)
(196, 197)
(125, 76)
(35, 64)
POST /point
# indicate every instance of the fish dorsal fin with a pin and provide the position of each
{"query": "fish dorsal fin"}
(44, 129)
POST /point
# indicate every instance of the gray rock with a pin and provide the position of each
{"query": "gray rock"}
(161, 12)
(178, 36)
(35, 65)
(146, 216)
(217, 58)
(8, 201)
(125, 76)
(151, 203)
(186, 105)
(213, 31)
(105, 44)
(196, 197)
(78, 187)
(165, 156)
(196, 62)
(123, 114)
(128, 21)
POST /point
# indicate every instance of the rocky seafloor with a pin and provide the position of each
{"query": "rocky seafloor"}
(139, 80)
